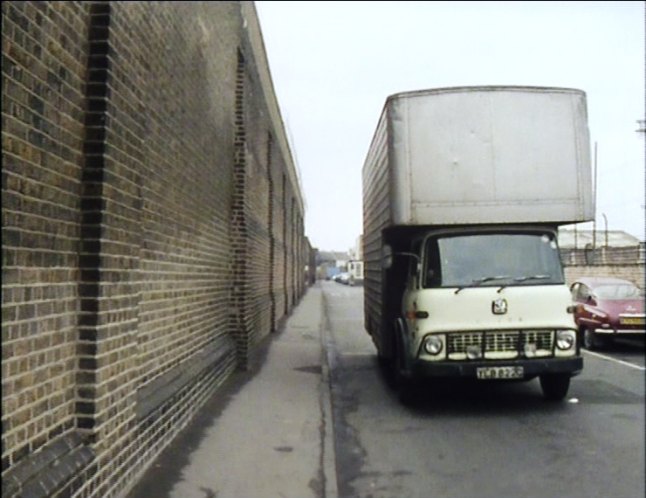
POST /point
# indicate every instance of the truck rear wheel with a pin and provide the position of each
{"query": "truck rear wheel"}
(555, 386)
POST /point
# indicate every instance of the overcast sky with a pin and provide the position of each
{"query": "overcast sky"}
(334, 64)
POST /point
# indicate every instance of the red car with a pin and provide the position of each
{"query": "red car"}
(607, 308)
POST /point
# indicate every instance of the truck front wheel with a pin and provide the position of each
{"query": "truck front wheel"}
(404, 384)
(555, 386)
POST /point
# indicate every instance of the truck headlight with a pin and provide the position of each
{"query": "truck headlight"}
(565, 339)
(433, 345)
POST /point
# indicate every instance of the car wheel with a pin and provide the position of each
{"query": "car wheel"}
(591, 340)
(555, 386)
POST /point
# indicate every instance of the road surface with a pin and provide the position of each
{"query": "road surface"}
(481, 441)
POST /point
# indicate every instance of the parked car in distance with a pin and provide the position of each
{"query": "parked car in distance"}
(342, 278)
(607, 308)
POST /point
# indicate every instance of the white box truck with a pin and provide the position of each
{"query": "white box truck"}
(463, 193)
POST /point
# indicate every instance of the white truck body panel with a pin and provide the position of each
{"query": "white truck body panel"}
(480, 155)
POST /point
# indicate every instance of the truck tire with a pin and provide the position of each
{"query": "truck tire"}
(555, 386)
(385, 366)
(404, 384)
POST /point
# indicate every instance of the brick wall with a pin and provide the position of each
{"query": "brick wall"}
(152, 230)
(633, 273)
(618, 262)
(44, 54)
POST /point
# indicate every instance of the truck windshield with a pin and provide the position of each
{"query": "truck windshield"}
(492, 259)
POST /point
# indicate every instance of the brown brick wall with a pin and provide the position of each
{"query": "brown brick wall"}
(267, 203)
(152, 229)
(280, 231)
(618, 262)
(634, 273)
(44, 49)
(257, 215)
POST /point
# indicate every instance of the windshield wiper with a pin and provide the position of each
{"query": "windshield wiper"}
(525, 278)
(479, 281)
(531, 277)
(489, 279)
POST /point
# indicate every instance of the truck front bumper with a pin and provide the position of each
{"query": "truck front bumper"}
(468, 369)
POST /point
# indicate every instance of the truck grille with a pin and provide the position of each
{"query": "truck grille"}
(500, 344)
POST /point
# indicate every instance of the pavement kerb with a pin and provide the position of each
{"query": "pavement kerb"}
(328, 456)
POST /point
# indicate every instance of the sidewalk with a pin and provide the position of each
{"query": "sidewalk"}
(266, 433)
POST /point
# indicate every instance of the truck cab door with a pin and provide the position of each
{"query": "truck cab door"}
(413, 283)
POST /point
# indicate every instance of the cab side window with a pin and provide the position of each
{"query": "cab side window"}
(433, 266)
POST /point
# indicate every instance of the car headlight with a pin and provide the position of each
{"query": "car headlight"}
(565, 339)
(433, 345)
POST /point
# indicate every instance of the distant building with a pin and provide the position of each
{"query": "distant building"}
(355, 269)
(332, 257)
(357, 251)
(330, 263)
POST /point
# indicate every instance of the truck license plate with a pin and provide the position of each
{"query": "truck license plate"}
(500, 373)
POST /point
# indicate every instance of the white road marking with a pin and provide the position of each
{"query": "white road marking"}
(609, 358)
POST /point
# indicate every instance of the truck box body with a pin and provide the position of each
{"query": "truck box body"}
(468, 157)
(480, 155)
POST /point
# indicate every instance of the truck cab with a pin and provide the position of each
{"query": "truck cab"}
(487, 303)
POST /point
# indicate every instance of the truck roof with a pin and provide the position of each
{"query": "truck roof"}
(483, 88)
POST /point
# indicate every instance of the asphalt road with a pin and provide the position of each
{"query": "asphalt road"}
(482, 440)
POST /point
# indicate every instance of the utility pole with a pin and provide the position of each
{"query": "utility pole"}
(594, 221)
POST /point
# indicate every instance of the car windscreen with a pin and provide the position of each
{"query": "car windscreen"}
(617, 291)
(481, 259)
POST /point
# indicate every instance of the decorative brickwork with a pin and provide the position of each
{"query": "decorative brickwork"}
(152, 230)
(270, 235)
(239, 230)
